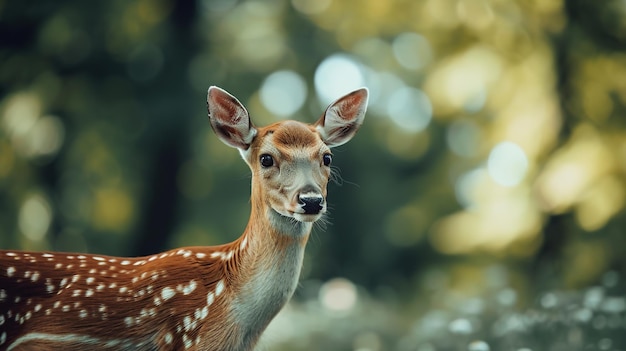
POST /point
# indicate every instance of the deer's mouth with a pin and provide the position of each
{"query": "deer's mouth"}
(304, 217)
(299, 214)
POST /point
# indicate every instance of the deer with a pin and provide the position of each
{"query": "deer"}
(191, 298)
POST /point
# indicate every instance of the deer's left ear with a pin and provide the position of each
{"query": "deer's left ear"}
(342, 118)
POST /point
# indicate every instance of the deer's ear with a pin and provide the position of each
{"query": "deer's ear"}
(229, 119)
(342, 118)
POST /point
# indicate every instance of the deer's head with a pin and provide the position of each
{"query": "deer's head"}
(290, 161)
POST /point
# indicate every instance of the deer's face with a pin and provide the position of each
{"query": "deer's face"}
(290, 161)
(291, 167)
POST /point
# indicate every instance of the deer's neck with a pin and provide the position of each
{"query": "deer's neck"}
(269, 269)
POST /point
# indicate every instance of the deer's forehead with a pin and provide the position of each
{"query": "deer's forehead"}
(290, 136)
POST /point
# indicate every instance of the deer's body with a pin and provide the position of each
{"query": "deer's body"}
(193, 298)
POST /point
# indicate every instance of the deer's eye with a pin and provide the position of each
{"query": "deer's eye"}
(266, 160)
(327, 159)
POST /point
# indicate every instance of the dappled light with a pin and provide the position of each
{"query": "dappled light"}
(484, 196)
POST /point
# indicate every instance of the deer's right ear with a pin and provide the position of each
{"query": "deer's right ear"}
(229, 119)
(343, 118)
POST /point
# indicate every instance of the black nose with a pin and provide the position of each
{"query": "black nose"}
(311, 203)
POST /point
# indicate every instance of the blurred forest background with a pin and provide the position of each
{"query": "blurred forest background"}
(482, 203)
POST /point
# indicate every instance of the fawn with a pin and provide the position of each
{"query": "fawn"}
(193, 298)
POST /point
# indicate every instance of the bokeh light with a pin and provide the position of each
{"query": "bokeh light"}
(339, 295)
(410, 109)
(337, 75)
(467, 187)
(35, 217)
(283, 93)
(463, 138)
(412, 50)
(507, 164)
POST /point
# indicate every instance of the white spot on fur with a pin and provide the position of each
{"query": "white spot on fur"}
(82, 314)
(188, 343)
(167, 293)
(88, 293)
(187, 323)
(168, 338)
(189, 288)
(37, 307)
(219, 288)
(10, 270)
(3, 337)
(98, 258)
(210, 298)
(200, 255)
(90, 280)
(35, 276)
(125, 263)
(47, 255)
